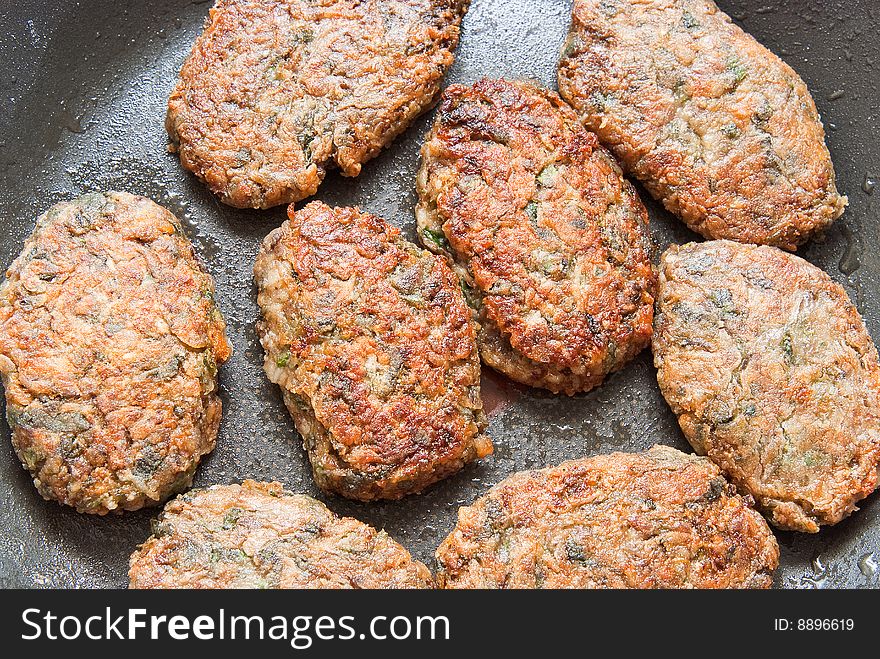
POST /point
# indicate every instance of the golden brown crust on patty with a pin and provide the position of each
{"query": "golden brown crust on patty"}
(550, 242)
(715, 126)
(660, 519)
(773, 375)
(256, 535)
(109, 345)
(276, 91)
(372, 343)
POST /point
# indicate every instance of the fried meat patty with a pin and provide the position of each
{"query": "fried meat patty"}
(109, 345)
(660, 519)
(276, 91)
(773, 375)
(256, 535)
(550, 242)
(373, 346)
(715, 126)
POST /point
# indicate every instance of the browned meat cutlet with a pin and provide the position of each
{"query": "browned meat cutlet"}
(772, 374)
(372, 344)
(715, 126)
(276, 91)
(257, 535)
(550, 242)
(109, 345)
(660, 519)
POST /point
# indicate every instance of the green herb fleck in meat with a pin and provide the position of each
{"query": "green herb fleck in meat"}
(762, 116)
(39, 419)
(435, 237)
(242, 157)
(723, 299)
(32, 458)
(600, 101)
(547, 176)
(471, 297)
(574, 552)
(689, 22)
(70, 448)
(303, 36)
(571, 45)
(230, 519)
(148, 463)
(167, 370)
(305, 140)
(787, 348)
(813, 458)
(730, 131)
(737, 68)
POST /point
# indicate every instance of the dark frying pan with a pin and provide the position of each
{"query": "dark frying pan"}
(83, 98)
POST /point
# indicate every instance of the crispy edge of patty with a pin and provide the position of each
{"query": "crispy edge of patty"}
(829, 500)
(211, 520)
(316, 413)
(581, 148)
(734, 205)
(470, 557)
(345, 143)
(58, 430)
